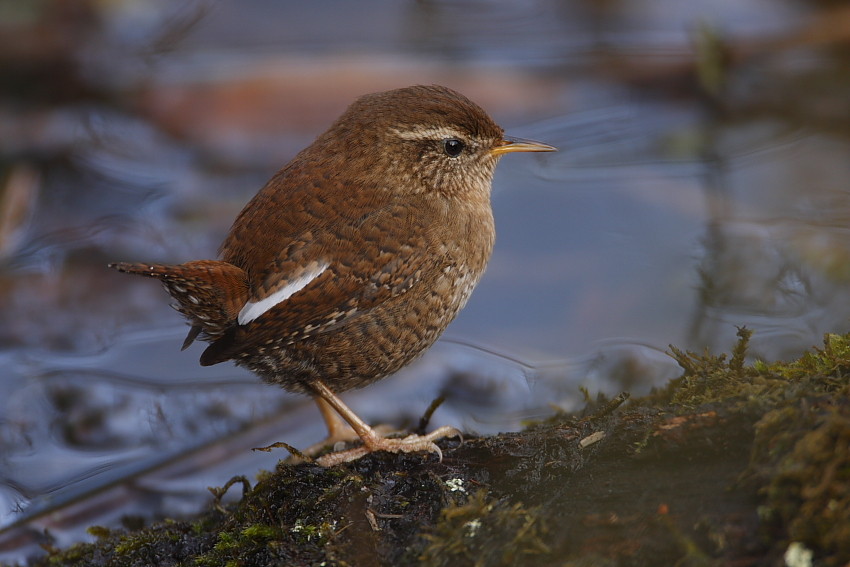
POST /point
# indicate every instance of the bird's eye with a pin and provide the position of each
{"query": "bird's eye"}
(453, 147)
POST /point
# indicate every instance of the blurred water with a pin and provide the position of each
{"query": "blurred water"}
(672, 214)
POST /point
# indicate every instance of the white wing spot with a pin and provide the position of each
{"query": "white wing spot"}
(254, 309)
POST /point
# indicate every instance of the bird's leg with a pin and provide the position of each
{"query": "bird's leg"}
(373, 441)
(338, 430)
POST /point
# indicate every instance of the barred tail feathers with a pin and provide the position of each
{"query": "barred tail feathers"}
(209, 293)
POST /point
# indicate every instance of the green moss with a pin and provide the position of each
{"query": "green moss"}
(710, 379)
(743, 458)
(235, 545)
(465, 533)
(800, 455)
(99, 532)
(77, 553)
(828, 365)
(801, 458)
(258, 532)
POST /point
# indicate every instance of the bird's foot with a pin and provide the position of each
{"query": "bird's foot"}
(375, 442)
(337, 438)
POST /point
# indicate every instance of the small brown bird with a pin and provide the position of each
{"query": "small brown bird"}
(355, 256)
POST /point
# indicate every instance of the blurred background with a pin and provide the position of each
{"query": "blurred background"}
(703, 183)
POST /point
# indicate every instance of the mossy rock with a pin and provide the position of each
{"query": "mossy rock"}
(732, 463)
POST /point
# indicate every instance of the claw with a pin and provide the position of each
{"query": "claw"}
(409, 444)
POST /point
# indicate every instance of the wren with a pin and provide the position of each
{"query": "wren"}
(354, 257)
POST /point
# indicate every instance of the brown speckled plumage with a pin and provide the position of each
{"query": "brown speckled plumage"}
(374, 235)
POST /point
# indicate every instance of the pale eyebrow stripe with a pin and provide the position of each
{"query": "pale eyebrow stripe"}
(254, 309)
(428, 133)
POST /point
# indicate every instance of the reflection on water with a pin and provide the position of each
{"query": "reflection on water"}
(672, 214)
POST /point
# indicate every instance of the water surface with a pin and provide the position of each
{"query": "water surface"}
(702, 184)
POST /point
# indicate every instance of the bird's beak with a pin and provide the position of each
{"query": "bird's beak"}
(510, 144)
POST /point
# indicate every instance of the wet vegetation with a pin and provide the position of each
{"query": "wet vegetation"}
(735, 462)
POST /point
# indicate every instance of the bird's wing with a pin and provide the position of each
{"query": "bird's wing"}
(331, 273)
